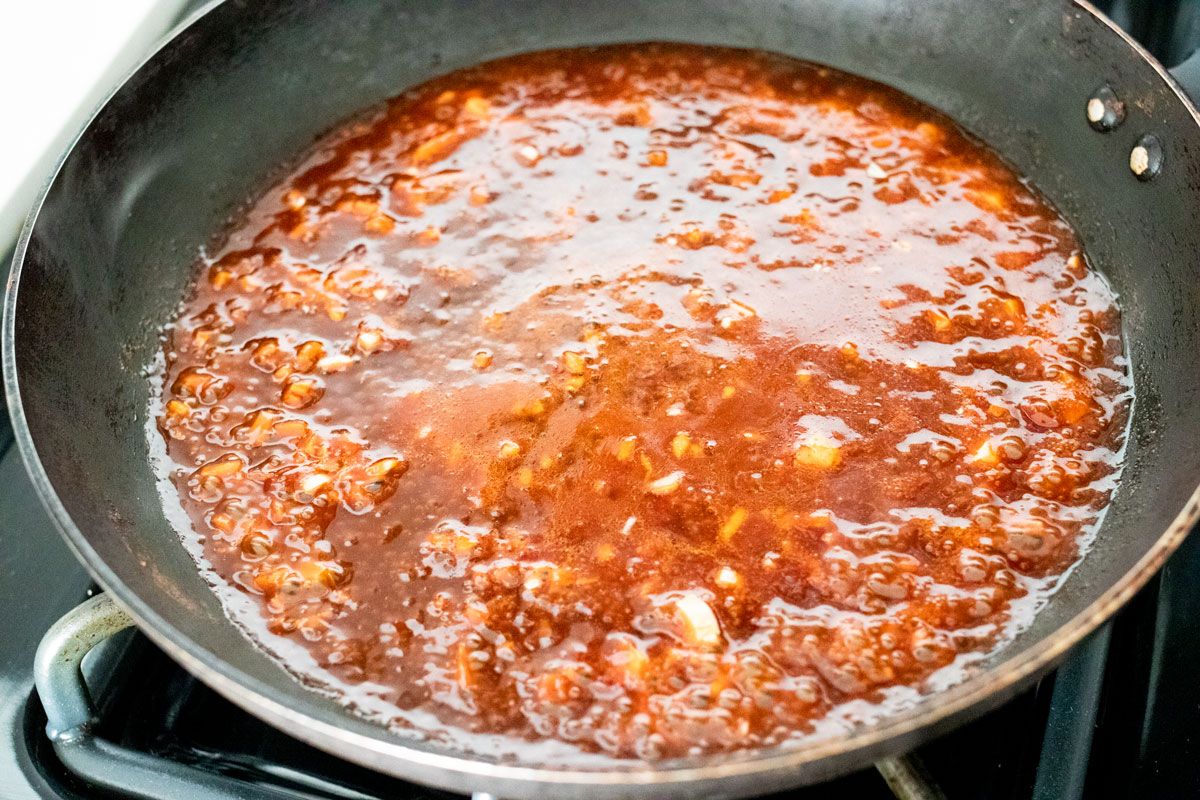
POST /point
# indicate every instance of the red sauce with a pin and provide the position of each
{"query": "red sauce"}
(657, 399)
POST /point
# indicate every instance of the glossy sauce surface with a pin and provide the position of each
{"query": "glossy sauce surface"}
(657, 399)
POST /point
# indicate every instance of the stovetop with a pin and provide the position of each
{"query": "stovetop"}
(1120, 715)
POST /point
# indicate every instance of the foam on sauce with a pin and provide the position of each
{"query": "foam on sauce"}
(655, 399)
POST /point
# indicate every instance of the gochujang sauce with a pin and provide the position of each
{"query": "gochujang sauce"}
(656, 399)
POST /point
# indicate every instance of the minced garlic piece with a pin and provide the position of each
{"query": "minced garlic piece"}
(700, 626)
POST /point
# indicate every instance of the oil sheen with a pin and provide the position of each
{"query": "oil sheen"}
(656, 400)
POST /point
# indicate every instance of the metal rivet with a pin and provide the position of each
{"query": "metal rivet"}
(1105, 110)
(1146, 157)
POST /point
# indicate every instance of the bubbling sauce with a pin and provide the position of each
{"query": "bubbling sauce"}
(656, 399)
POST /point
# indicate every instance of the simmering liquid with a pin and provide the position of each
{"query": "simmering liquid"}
(657, 399)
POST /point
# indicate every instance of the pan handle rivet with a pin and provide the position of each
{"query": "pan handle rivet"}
(1146, 157)
(1105, 110)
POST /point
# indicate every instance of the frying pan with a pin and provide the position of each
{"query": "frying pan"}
(247, 85)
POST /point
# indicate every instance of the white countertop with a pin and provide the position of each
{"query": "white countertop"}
(58, 58)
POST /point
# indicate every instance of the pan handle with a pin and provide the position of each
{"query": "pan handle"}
(70, 718)
(1187, 73)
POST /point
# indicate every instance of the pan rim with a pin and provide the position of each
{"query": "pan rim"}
(453, 771)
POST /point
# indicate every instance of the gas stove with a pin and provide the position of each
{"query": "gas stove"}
(1118, 716)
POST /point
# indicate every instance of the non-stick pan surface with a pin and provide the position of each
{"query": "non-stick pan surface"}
(247, 86)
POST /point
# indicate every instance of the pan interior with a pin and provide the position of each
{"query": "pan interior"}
(248, 87)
